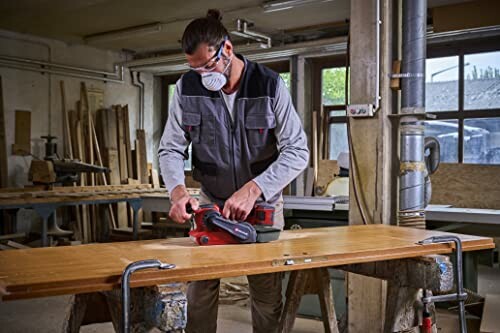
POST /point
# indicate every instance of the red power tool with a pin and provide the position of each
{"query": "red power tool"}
(211, 228)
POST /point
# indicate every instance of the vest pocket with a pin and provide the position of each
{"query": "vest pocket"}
(260, 129)
(191, 122)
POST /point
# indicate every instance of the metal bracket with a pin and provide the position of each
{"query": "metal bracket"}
(460, 295)
(131, 268)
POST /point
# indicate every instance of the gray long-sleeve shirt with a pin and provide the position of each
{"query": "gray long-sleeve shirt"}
(290, 140)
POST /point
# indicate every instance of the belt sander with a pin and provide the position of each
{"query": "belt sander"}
(211, 228)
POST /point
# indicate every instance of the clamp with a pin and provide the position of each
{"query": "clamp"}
(131, 268)
(460, 295)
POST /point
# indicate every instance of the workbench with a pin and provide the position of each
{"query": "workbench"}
(98, 267)
(45, 203)
(86, 270)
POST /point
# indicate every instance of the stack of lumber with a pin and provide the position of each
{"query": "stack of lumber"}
(101, 136)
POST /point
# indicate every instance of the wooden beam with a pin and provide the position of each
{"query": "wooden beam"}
(128, 147)
(142, 158)
(122, 151)
(104, 180)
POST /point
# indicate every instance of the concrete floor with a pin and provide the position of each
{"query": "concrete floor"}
(47, 314)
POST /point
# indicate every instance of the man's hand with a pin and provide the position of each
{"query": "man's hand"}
(241, 203)
(180, 198)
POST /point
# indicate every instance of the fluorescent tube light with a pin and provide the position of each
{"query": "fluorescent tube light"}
(277, 5)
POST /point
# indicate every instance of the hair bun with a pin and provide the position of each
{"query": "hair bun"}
(215, 14)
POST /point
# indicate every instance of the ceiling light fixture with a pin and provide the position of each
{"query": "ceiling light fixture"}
(137, 31)
(277, 5)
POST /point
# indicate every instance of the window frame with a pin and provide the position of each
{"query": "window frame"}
(458, 48)
(461, 49)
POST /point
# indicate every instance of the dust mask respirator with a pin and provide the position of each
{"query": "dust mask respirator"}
(214, 81)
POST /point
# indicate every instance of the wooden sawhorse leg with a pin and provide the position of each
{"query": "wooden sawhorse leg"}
(304, 282)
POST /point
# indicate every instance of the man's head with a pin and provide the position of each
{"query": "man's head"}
(208, 49)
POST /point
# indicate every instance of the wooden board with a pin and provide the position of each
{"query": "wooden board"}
(4, 170)
(467, 15)
(22, 138)
(122, 151)
(142, 156)
(114, 179)
(466, 185)
(128, 147)
(98, 267)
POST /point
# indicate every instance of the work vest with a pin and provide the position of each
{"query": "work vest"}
(227, 154)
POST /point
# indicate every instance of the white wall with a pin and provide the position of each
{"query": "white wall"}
(26, 90)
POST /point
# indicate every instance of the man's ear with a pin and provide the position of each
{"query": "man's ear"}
(228, 48)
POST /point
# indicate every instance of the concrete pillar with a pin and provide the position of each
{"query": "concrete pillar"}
(372, 145)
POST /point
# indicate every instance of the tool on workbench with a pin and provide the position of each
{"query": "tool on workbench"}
(211, 228)
(131, 268)
(52, 170)
(460, 295)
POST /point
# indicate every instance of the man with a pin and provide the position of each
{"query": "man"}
(247, 145)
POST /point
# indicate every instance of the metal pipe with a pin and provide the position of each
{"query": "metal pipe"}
(115, 74)
(243, 31)
(62, 73)
(136, 81)
(377, 59)
(412, 165)
(141, 100)
(49, 77)
(131, 268)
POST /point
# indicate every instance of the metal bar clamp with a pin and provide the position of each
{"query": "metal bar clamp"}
(460, 295)
(131, 268)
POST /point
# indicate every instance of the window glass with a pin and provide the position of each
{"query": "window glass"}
(333, 86)
(482, 81)
(482, 140)
(446, 132)
(441, 84)
(338, 140)
(287, 78)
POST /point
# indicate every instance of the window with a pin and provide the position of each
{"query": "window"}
(446, 132)
(441, 84)
(463, 91)
(482, 81)
(329, 88)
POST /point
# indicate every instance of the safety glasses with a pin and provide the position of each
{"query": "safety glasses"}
(212, 63)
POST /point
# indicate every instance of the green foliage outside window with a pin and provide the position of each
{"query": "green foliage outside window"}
(333, 84)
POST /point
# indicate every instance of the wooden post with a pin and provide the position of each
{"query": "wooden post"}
(4, 168)
(371, 176)
(303, 282)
